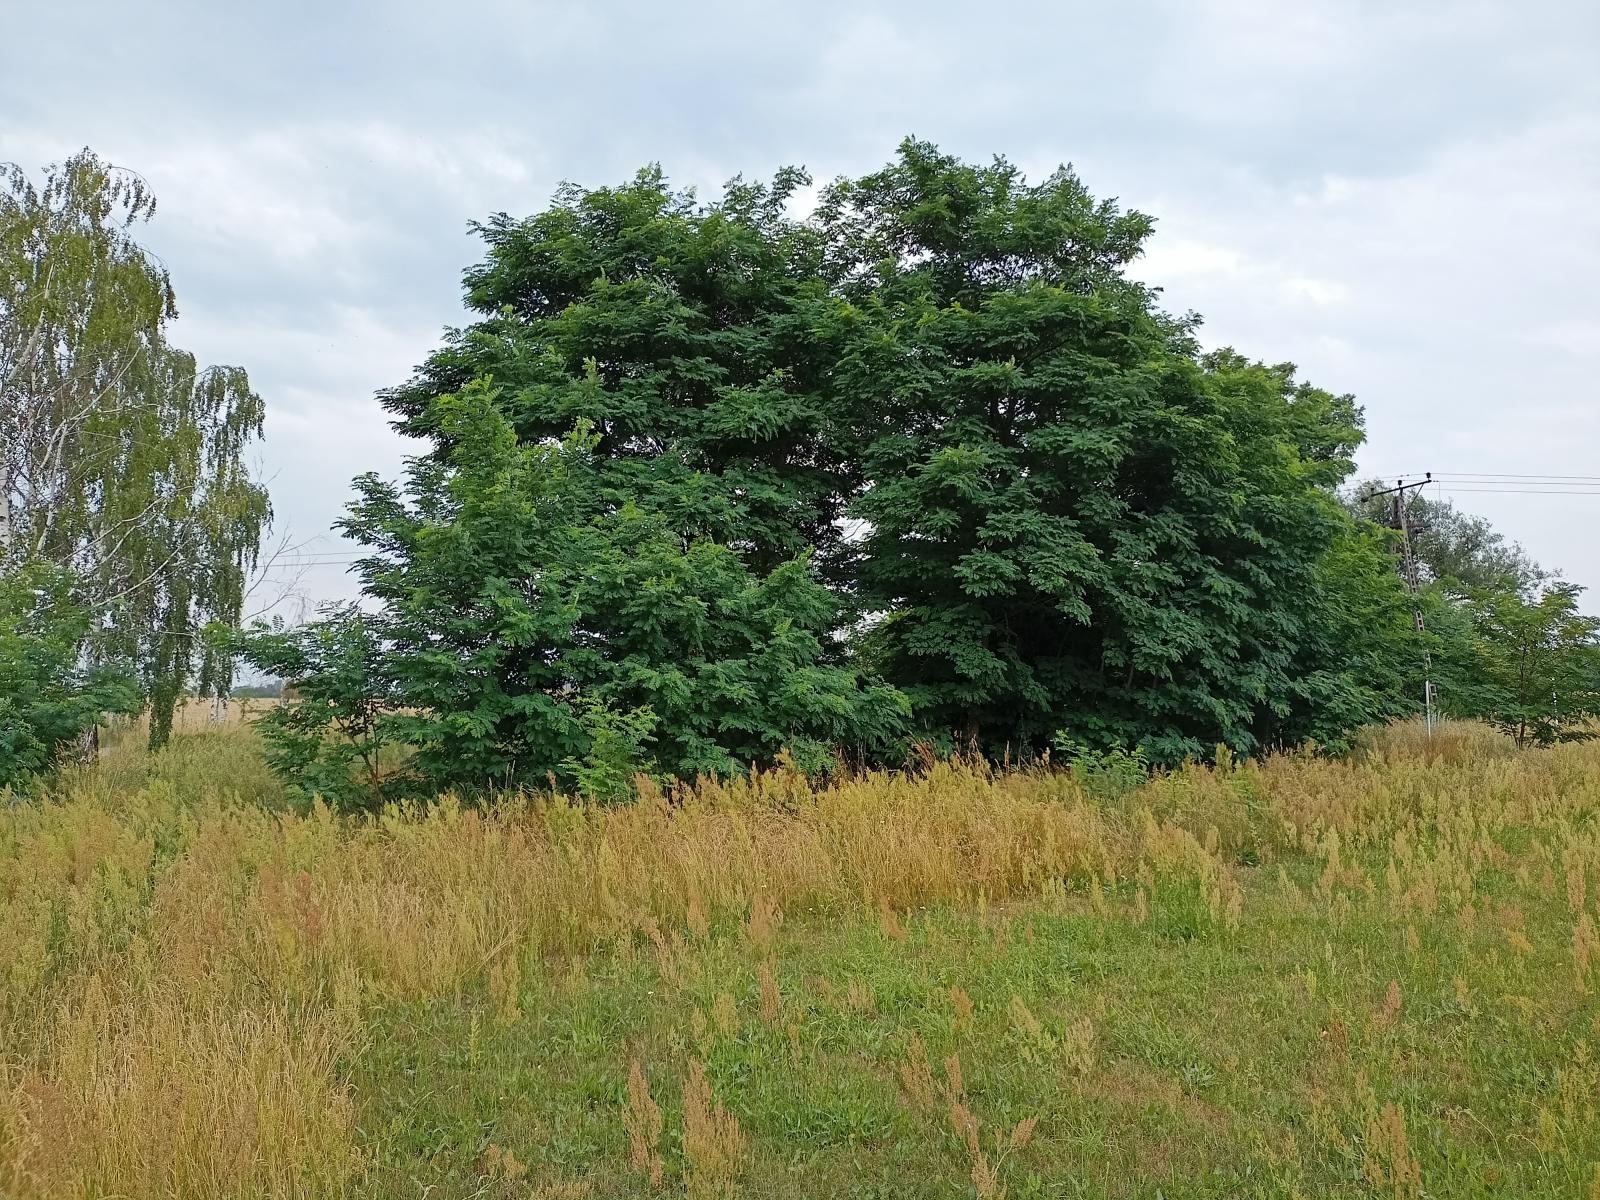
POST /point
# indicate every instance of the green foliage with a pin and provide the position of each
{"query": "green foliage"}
(1505, 643)
(1539, 662)
(700, 332)
(48, 698)
(532, 618)
(617, 752)
(121, 460)
(1107, 774)
(731, 469)
(1360, 660)
(1073, 520)
(330, 742)
(1061, 514)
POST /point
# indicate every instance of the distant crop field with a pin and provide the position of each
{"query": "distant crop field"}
(195, 716)
(1371, 977)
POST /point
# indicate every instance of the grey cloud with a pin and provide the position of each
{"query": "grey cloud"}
(1401, 197)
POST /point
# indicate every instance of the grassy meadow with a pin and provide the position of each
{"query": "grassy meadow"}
(1372, 977)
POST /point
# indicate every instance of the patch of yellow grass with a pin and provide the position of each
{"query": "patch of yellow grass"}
(182, 973)
(144, 1096)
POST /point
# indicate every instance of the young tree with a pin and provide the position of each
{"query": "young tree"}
(1539, 658)
(331, 741)
(532, 620)
(121, 461)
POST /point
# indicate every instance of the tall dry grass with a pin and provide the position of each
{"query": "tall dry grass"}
(184, 972)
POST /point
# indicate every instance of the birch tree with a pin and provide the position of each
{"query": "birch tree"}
(121, 459)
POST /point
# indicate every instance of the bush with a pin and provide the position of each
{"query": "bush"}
(48, 698)
(616, 754)
(331, 742)
(1103, 774)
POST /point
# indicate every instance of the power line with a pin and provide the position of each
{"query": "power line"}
(1453, 489)
(1490, 476)
(1509, 480)
(1507, 483)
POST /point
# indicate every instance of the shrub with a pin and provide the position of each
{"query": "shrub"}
(48, 698)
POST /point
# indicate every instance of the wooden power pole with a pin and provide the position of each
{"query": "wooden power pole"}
(1410, 572)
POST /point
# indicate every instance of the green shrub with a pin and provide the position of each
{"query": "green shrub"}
(49, 698)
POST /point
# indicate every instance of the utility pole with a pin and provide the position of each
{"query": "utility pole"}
(1409, 572)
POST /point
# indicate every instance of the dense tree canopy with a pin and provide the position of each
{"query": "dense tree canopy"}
(766, 482)
(1074, 520)
(122, 462)
(703, 332)
(707, 485)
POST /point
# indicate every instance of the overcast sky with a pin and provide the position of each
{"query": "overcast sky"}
(1402, 198)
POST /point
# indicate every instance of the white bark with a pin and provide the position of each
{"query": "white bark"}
(5, 510)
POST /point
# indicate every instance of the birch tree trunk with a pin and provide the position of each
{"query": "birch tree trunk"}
(5, 510)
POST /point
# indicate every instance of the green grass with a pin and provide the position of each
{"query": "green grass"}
(1220, 1069)
(1365, 979)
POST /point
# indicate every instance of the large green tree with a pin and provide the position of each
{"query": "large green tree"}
(1074, 521)
(121, 460)
(1037, 507)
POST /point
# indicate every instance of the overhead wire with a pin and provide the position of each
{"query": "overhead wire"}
(1511, 484)
(1489, 476)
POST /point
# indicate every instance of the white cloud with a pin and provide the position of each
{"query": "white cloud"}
(1580, 338)
(1320, 292)
(1171, 258)
(1454, 297)
(1196, 263)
